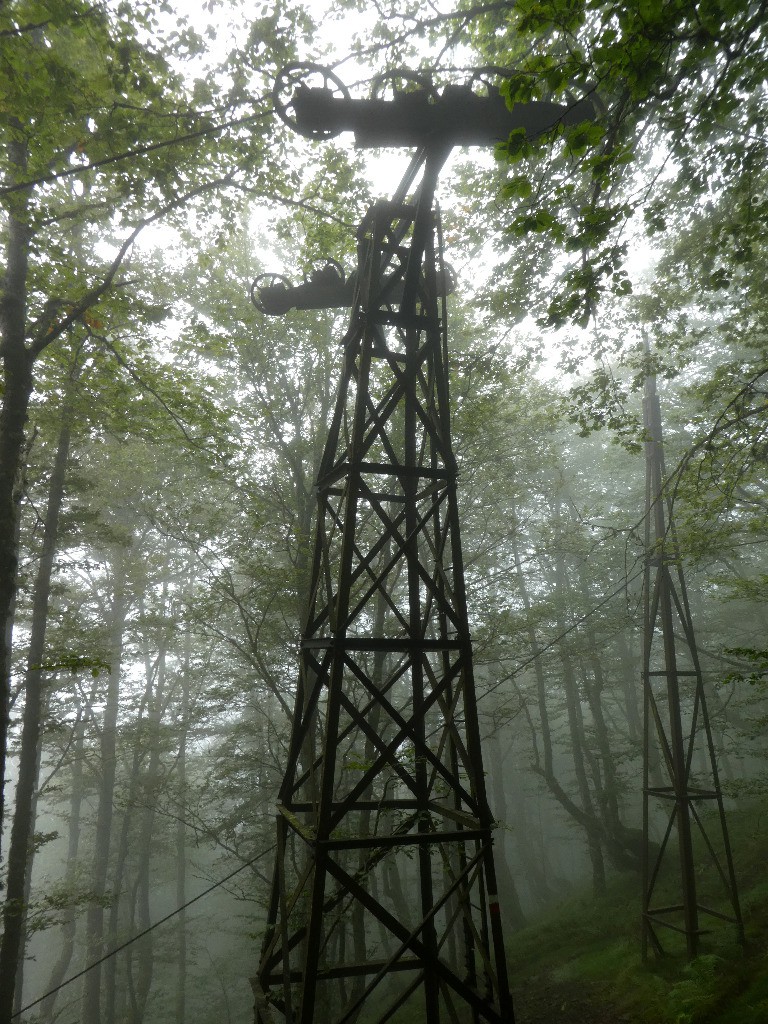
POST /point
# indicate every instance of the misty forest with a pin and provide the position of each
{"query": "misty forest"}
(161, 551)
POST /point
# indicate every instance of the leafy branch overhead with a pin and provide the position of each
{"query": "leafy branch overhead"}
(678, 90)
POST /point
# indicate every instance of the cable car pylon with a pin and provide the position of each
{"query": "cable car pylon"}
(680, 774)
(384, 898)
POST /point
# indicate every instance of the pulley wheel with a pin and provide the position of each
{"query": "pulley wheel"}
(264, 282)
(308, 76)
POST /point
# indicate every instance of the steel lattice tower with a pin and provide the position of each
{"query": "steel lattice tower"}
(678, 742)
(385, 770)
(384, 792)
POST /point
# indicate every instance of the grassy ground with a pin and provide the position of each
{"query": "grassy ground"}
(582, 963)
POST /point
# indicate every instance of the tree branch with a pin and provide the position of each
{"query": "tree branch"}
(129, 154)
(47, 333)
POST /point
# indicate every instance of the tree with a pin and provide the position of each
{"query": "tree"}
(102, 134)
(21, 846)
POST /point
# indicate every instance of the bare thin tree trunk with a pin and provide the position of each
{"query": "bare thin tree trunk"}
(358, 924)
(531, 849)
(594, 689)
(630, 672)
(575, 720)
(21, 850)
(142, 983)
(95, 917)
(544, 762)
(69, 922)
(510, 898)
(18, 995)
(117, 901)
(547, 770)
(181, 843)
(17, 364)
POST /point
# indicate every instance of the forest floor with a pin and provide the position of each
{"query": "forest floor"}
(544, 1001)
(581, 963)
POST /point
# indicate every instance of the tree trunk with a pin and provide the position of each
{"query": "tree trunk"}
(629, 670)
(144, 947)
(18, 995)
(538, 668)
(17, 388)
(583, 815)
(69, 922)
(573, 707)
(21, 852)
(117, 901)
(594, 689)
(138, 776)
(531, 846)
(359, 937)
(510, 898)
(95, 916)
(181, 843)
(538, 878)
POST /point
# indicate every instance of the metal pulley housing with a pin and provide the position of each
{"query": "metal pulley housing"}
(315, 103)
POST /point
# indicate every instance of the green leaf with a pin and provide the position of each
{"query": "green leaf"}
(517, 146)
(536, 223)
(582, 137)
(518, 89)
(519, 187)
